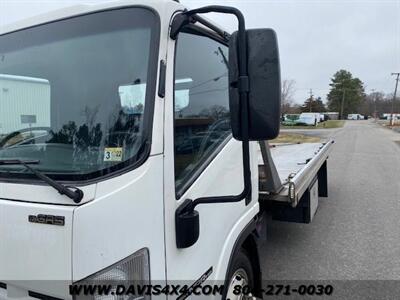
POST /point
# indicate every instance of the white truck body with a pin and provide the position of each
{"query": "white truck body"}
(388, 116)
(355, 117)
(309, 118)
(121, 215)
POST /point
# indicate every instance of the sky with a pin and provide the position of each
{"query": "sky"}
(316, 38)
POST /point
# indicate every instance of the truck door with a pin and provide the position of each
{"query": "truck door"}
(201, 158)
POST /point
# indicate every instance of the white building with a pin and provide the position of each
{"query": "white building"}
(24, 102)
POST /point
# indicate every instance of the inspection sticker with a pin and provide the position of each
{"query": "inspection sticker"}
(113, 154)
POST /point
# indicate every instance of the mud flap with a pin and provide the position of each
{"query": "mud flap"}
(304, 211)
(323, 180)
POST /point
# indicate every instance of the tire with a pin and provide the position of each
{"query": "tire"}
(240, 274)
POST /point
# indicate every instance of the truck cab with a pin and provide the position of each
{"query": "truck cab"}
(129, 175)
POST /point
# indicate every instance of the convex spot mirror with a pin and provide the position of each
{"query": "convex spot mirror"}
(264, 85)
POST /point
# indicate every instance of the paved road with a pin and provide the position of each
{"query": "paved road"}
(356, 232)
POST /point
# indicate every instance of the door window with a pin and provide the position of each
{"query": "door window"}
(202, 122)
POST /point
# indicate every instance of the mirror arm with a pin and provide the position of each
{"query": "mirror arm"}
(179, 21)
(243, 88)
(187, 17)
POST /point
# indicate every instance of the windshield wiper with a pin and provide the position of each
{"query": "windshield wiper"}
(71, 192)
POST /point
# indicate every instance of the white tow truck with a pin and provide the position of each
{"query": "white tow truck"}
(155, 166)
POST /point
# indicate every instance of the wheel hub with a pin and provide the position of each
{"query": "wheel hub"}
(239, 280)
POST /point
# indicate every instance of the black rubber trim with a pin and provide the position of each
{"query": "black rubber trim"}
(3, 285)
(161, 80)
(41, 296)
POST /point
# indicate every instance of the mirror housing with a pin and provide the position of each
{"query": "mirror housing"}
(187, 225)
(264, 83)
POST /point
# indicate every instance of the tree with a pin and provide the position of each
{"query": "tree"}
(378, 103)
(374, 102)
(313, 105)
(347, 93)
(288, 89)
(217, 112)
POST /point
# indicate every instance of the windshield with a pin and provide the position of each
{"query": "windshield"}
(76, 94)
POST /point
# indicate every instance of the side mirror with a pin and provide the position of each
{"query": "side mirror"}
(187, 225)
(264, 85)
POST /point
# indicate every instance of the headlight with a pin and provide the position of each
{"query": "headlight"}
(118, 282)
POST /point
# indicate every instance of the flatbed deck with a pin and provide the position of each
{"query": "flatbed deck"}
(296, 166)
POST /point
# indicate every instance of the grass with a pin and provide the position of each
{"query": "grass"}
(294, 138)
(324, 125)
(331, 124)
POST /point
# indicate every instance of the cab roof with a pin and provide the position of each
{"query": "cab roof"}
(76, 10)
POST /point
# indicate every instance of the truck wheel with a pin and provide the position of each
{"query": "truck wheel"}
(241, 278)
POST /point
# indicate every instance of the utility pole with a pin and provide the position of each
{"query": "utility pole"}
(373, 93)
(394, 98)
(342, 104)
(311, 99)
